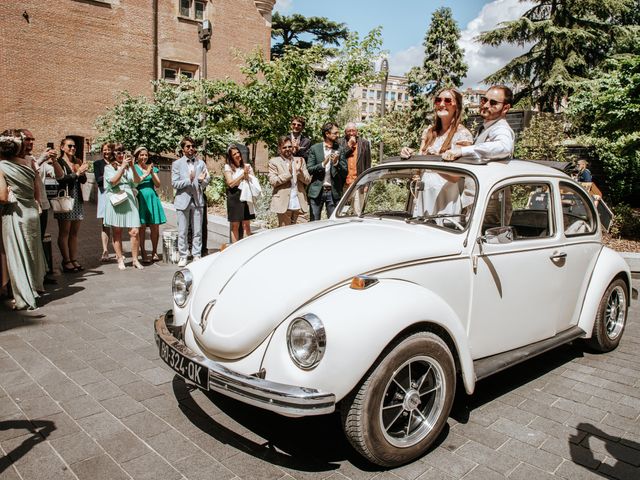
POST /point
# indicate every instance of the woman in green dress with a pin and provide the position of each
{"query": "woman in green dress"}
(149, 204)
(20, 222)
(121, 205)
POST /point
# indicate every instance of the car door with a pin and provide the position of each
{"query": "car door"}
(580, 247)
(517, 286)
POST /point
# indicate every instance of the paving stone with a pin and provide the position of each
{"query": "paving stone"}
(591, 413)
(157, 375)
(449, 463)
(38, 407)
(598, 392)
(121, 376)
(101, 425)
(248, 466)
(15, 425)
(76, 447)
(86, 376)
(517, 431)
(103, 390)
(123, 406)
(434, 474)
(619, 470)
(480, 434)
(546, 411)
(172, 445)
(145, 424)
(64, 390)
(488, 457)
(49, 467)
(25, 391)
(152, 467)
(528, 472)
(483, 473)
(201, 467)
(82, 407)
(26, 447)
(101, 467)
(576, 453)
(123, 446)
(141, 390)
(571, 471)
(558, 430)
(56, 426)
(613, 449)
(531, 455)
(617, 408)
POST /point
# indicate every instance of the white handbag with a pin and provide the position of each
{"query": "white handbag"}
(117, 198)
(63, 203)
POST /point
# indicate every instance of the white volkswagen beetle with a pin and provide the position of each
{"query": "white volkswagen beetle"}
(427, 274)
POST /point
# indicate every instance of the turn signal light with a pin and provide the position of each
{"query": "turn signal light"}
(362, 282)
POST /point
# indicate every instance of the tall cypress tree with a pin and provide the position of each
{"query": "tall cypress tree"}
(569, 39)
(443, 64)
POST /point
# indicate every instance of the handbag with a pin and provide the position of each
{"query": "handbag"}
(62, 203)
(117, 198)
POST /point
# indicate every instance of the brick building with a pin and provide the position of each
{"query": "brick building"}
(62, 62)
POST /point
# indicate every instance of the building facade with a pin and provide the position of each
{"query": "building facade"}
(63, 62)
(369, 98)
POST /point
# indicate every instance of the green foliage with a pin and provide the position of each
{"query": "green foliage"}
(394, 129)
(568, 39)
(606, 111)
(216, 191)
(287, 30)
(626, 222)
(443, 65)
(542, 139)
(265, 218)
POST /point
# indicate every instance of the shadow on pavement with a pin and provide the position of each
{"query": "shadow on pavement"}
(512, 378)
(311, 444)
(38, 435)
(626, 456)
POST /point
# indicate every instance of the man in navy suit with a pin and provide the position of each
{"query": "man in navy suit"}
(189, 177)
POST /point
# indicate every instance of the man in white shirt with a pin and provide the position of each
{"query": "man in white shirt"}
(495, 139)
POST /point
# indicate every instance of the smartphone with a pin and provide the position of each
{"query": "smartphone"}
(49, 144)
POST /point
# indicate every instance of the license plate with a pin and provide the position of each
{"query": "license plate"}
(187, 369)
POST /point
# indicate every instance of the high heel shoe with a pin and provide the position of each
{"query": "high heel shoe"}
(75, 263)
(138, 265)
(67, 269)
(121, 265)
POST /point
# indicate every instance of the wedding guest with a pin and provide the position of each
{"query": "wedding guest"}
(98, 169)
(149, 204)
(121, 205)
(20, 221)
(235, 171)
(70, 173)
(289, 178)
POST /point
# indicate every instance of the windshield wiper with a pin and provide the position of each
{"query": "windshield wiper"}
(426, 218)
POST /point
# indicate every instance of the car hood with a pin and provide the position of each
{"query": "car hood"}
(260, 281)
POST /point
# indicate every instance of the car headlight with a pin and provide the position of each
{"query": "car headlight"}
(306, 340)
(181, 286)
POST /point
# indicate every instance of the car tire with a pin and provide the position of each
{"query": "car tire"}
(611, 317)
(403, 403)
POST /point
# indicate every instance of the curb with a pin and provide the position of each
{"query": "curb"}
(633, 260)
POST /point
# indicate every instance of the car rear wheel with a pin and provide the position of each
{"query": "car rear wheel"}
(402, 405)
(611, 317)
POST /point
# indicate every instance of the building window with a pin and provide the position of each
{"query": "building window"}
(379, 95)
(364, 93)
(172, 72)
(194, 9)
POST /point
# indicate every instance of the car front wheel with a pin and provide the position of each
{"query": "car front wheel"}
(611, 317)
(403, 403)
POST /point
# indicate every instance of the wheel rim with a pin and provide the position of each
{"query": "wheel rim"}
(413, 401)
(615, 312)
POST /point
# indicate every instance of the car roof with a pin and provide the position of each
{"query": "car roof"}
(485, 171)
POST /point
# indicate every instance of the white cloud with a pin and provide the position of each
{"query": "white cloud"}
(283, 6)
(481, 59)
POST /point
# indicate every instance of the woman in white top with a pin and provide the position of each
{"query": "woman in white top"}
(238, 211)
(442, 194)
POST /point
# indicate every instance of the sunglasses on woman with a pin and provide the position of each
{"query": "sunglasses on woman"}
(492, 102)
(446, 100)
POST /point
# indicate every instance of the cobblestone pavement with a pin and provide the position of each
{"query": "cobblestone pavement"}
(85, 396)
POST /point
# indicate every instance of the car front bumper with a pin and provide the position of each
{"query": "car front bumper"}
(284, 399)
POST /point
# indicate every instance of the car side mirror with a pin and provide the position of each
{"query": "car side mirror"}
(497, 235)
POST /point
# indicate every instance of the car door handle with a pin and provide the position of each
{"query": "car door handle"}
(558, 256)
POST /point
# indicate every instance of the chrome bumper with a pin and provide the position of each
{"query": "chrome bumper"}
(284, 399)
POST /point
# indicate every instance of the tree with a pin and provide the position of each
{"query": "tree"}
(606, 110)
(543, 139)
(569, 39)
(288, 30)
(443, 64)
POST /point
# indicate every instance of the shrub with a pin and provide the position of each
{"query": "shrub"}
(216, 191)
(542, 139)
(626, 222)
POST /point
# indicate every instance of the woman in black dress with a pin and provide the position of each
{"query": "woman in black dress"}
(235, 171)
(70, 173)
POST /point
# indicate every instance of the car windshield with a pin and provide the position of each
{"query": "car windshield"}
(428, 196)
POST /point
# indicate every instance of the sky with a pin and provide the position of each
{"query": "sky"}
(405, 22)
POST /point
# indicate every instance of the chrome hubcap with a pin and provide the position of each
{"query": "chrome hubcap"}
(413, 401)
(615, 312)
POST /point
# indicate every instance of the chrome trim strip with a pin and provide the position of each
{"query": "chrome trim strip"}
(284, 399)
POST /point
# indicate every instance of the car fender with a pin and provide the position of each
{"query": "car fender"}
(359, 325)
(608, 266)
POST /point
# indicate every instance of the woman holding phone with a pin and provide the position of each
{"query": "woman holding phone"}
(121, 207)
(235, 171)
(70, 174)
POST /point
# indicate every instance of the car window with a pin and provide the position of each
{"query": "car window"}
(578, 217)
(442, 198)
(525, 207)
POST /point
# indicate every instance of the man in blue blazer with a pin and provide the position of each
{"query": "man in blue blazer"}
(327, 166)
(189, 177)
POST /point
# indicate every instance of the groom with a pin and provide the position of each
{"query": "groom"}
(189, 177)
